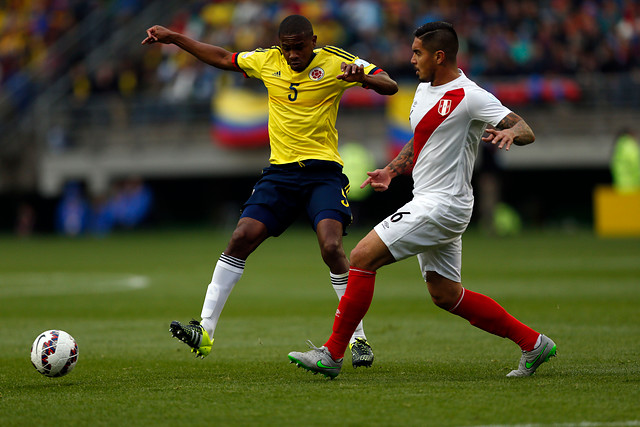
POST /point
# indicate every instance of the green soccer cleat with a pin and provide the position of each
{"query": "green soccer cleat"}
(361, 353)
(317, 360)
(530, 360)
(193, 335)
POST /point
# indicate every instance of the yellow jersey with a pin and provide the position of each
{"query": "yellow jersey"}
(303, 106)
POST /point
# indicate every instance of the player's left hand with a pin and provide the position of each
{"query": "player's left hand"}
(500, 137)
(351, 73)
(379, 180)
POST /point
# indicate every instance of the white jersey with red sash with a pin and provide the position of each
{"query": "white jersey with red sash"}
(448, 122)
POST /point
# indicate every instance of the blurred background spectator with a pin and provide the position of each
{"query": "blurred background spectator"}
(127, 205)
(625, 162)
(73, 213)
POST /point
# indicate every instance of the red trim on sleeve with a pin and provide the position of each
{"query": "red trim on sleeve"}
(235, 62)
(373, 72)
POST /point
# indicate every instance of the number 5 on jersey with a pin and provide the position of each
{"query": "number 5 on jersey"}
(293, 96)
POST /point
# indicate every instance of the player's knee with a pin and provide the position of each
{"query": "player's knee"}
(360, 258)
(244, 240)
(331, 248)
(241, 236)
(443, 301)
(444, 293)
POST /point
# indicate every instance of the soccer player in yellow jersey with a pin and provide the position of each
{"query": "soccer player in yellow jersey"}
(305, 84)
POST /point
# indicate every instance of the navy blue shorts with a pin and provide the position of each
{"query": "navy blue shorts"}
(315, 187)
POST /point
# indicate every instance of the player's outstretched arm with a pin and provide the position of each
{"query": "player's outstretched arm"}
(210, 54)
(381, 82)
(401, 165)
(511, 130)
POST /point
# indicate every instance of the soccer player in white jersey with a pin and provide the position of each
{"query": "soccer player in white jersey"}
(449, 116)
(304, 84)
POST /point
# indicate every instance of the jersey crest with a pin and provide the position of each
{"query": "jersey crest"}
(444, 107)
(316, 73)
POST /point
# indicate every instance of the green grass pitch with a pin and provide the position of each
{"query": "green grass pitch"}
(117, 296)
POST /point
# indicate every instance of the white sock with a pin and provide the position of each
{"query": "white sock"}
(226, 274)
(339, 283)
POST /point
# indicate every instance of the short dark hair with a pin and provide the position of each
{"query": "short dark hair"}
(438, 35)
(294, 25)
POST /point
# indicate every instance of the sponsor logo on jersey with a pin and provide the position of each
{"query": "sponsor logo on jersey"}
(316, 74)
(444, 107)
(276, 74)
(248, 54)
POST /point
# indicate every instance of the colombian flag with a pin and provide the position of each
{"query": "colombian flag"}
(240, 118)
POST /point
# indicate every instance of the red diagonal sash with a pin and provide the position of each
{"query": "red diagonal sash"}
(434, 118)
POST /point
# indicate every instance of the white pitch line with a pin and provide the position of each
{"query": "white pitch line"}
(630, 423)
(66, 283)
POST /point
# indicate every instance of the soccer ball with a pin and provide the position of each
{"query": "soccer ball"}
(54, 353)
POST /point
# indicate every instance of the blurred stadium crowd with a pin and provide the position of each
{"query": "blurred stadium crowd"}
(82, 60)
(498, 38)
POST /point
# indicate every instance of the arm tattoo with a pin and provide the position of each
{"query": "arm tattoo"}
(403, 163)
(508, 122)
(524, 134)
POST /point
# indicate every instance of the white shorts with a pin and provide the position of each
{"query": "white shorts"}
(432, 231)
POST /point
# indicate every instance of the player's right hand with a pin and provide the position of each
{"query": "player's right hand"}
(155, 34)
